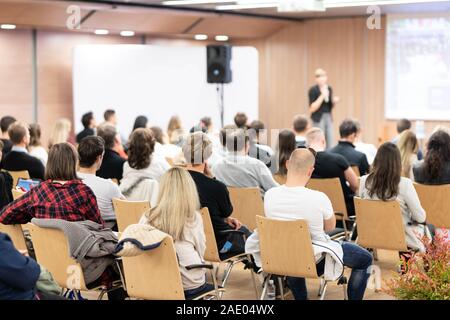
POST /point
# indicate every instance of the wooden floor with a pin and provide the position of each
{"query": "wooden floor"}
(240, 285)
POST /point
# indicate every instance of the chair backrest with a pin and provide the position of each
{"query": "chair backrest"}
(19, 174)
(333, 189)
(129, 212)
(211, 252)
(434, 200)
(280, 178)
(247, 204)
(52, 252)
(356, 171)
(286, 248)
(155, 274)
(15, 232)
(17, 194)
(380, 224)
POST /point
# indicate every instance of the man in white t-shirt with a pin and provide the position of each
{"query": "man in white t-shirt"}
(91, 150)
(294, 201)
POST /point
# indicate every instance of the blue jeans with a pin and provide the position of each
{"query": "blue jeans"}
(192, 293)
(356, 258)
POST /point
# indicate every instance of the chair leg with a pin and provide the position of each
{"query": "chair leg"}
(322, 284)
(265, 285)
(214, 279)
(227, 272)
(375, 254)
(102, 293)
(280, 284)
(324, 290)
(344, 286)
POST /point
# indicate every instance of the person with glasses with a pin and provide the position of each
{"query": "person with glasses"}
(321, 102)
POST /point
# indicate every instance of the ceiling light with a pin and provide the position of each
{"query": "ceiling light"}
(221, 38)
(127, 33)
(8, 26)
(190, 2)
(201, 37)
(101, 31)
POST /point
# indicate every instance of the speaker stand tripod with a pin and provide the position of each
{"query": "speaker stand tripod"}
(220, 89)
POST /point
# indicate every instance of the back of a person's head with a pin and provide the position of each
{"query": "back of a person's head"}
(86, 119)
(177, 201)
(384, 179)
(140, 122)
(158, 134)
(5, 122)
(438, 153)
(223, 133)
(236, 140)
(314, 135)
(403, 124)
(62, 162)
(17, 131)
(301, 161)
(286, 145)
(141, 147)
(207, 122)
(109, 114)
(347, 128)
(174, 124)
(197, 148)
(240, 119)
(35, 135)
(407, 142)
(108, 133)
(89, 149)
(60, 131)
(300, 123)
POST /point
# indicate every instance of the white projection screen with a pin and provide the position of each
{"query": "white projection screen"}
(158, 82)
(418, 67)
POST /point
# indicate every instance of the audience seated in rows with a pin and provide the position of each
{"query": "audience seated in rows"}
(408, 146)
(112, 164)
(238, 169)
(61, 196)
(89, 125)
(5, 122)
(435, 169)
(177, 214)
(286, 145)
(386, 183)
(18, 158)
(332, 165)
(213, 195)
(293, 201)
(258, 148)
(346, 148)
(35, 147)
(301, 125)
(6, 184)
(142, 171)
(91, 150)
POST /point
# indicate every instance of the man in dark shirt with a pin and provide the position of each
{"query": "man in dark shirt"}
(89, 124)
(331, 165)
(5, 122)
(321, 102)
(348, 131)
(112, 165)
(18, 158)
(214, 195)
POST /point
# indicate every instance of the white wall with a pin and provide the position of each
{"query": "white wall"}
(158, 82)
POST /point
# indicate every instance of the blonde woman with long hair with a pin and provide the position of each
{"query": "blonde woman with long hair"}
(60, 132)
(177, 215)
(408, 146)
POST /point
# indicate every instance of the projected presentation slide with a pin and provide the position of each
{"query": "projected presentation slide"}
(418, 68)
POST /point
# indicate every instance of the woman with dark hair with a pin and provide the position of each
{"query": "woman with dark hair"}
(140, 122)
(286, 145)
(143, 170)
(35, 147)
(61, 196)
(435, 169)
(386, 183)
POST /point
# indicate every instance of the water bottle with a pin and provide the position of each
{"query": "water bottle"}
(271, 291)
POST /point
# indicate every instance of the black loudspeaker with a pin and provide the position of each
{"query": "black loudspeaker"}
(218, 63)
